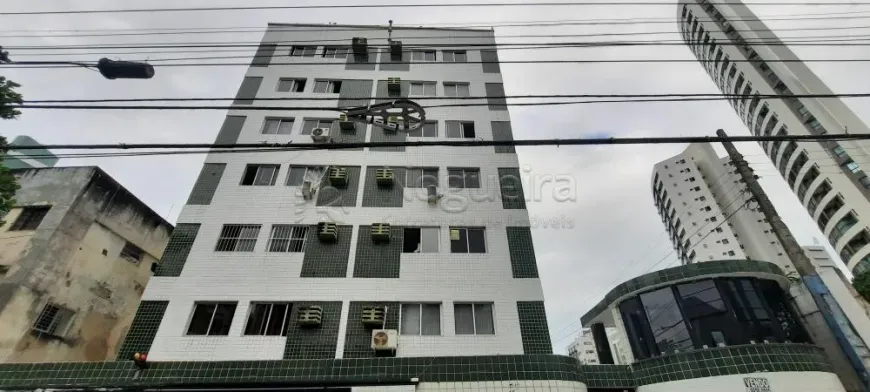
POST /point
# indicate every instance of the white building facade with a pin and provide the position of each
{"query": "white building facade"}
(744, 57)
(707, 211)
(584, 349)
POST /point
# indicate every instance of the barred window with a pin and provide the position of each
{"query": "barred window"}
(287, 238)
(237, 238)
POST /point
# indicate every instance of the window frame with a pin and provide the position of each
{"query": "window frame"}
(462, 129)
(464, 171)
(132, 253)
(285, 322)
(238, 238)
(296, 234)
(305, 174)
(333, 86)
(449, 56)
(423, 54)
(319, 122)
(423, 176)
(420, 313)
(296, 83)
(422, 131)
(337, 54)
(422, 85)
(466, 229)
(60, 321)
(422, 243)
(454, 87)
(474, 311)
(26, 219)
(281, 121)
(303, 50)
(216, 304)
(256, 175)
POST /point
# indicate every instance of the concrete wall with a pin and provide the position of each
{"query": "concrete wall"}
(779, 382)
(73, 259)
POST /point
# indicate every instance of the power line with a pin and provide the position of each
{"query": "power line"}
(459, 98)
(456, 143)
(421, 5)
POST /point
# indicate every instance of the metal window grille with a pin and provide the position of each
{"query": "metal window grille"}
(52, 320)
(237, 238)
(287, 238)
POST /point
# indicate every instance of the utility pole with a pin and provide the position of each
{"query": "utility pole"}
(824, 318)
(795, 253)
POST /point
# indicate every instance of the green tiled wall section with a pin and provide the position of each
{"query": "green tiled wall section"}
(358, 337)
(324, 259)
(177, 249)
(360, 371)
(313, 342)
(721, 361)
(696, 270)
(356, 135)
(511, 186)
(362, 63)
(522, 251)
(501, 131)
(340, 195)
(353, 89)
(376, 259)
(264, 54)
(401, 64)
(375, 195)
(143, 328)
(533, 327)
(379, 134)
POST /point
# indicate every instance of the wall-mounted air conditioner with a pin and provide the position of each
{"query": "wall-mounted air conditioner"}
(396, 49)
(359, 45)
(394, 85)
(307, 193)
(337, 176)
(320, 135)
(310, 316)
(373, 316)
(327, 232)
(384, 177)
(381, 232)
(384, 339)
(344, 124)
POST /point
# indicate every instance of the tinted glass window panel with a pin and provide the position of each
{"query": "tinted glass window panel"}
(458, 241)
(410, 319)
(464, 315)
(201, 319)
(431, 319)
(476, 241)
(701, 299)
(665, 320)
(223, 317)
(483, 320)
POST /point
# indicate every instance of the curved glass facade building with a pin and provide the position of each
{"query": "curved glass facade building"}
(745, 58)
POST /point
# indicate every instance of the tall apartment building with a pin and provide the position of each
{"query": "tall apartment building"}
(706, 210)
(743, 56)
(325, 254)
(584, 349)
(76, 252)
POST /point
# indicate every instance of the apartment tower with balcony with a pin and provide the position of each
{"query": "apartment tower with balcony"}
(744, 57)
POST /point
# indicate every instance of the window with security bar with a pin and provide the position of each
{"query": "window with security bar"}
(268, 319)
(237, 238)
(53, 320)
(287, 238)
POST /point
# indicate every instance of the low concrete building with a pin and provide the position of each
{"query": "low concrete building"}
(75, 255)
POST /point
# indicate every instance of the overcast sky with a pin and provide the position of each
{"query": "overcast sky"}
(616, 232)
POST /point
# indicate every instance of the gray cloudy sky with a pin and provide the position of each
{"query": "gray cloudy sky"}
(616, 232)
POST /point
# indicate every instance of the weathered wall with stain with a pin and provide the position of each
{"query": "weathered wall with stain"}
(73, 259)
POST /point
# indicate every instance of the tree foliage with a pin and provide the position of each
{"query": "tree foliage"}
(862, 284)
(8, 183)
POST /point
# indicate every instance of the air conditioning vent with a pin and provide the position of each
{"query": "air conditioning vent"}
(327, 232)
(344, 124)
(394, 85)
(384, 177)
(384, 339)
(359, 45)
(310, 316)
(373, 316)
(381, 232)
(338, 176)
(320, 135)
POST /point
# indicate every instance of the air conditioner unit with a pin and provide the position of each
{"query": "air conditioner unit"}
(373, 316)
(381, 232)
(320, 135)
(359, 45)
(394, 85)
(396, 49)
(432, 195)
(384, 177)
(327, 232)
(306, 190)
(384, 339)
(344, 124)
(337, 176)
(310, 316)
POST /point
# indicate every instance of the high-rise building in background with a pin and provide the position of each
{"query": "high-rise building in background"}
(744, 57)
(583, 347)
(31, 158)
(707, 212)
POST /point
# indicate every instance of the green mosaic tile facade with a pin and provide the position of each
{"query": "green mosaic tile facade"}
(697, 270)
(511, 186)
(501, 131)
(533, 327)
(376, 259)
(366, 62)
(313, 342)
(388, 63)
(143, 328)
(375, 195)
(324, 259)
(340, 195)
(177, 249)
(522, 251)
(358, 337)
(381, 135)
(721, 361)
(356, 135)
(207, 183)
(362, 371)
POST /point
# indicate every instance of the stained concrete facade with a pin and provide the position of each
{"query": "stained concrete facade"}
(71, 258)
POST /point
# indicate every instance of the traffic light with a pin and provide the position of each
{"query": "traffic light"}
(112, 69)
